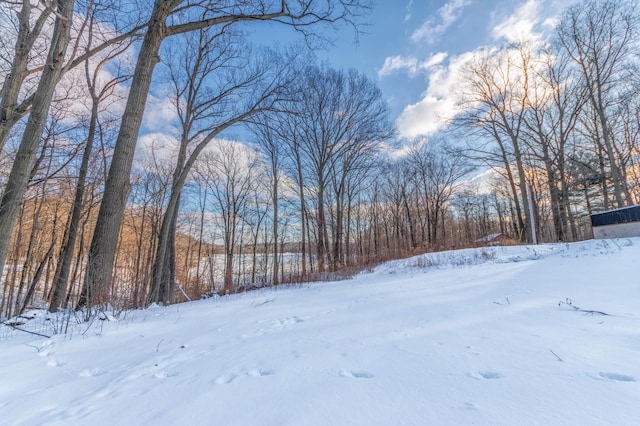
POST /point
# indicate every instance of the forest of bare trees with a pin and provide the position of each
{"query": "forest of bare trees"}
(100, 210)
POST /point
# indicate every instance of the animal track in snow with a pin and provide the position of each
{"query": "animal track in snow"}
(224, 379)
(485, 375)
(281, 323)
(92, 372)
(51, 361)
(259, 372)
(616, 377)
(164, 374)
(55, 363)
(49, 356)
(470, 406)
(356, 374)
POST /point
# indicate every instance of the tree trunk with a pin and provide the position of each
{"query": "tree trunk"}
(36, 278)
(64, 265)
(100, 261)
(322, 228)
(159, 291)
(10, 112)
(25, 157)
(228, 263)
(275, 227)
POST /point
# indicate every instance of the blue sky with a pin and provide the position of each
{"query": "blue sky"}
(412, 48)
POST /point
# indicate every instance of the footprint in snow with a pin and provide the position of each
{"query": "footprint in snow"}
(470, 406)
(55, 363)
(286, 322)
(259, 372)
(355, 374)
(485, 375)
(224, 379)
(164, 374)
(93, 372)
(616, 377)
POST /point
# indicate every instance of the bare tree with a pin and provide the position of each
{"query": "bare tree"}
(494, 97)
(599, 36)
(554, 105)
(231, 168)
(271, 147)
(32, 39)
(97, 95)
(25, 157)
(340, 119)
(438, 172)
(29, 29)
(302, 15)
(216, 88)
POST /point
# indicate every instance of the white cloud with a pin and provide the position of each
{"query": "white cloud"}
(159, 148)
(412, 65)
(435, 59)
(482, 184)
(160, 113)
(438, 104)
(409, 7)
(521, 25)
(432, 29)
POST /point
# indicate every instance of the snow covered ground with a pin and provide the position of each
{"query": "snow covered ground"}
(484, 337)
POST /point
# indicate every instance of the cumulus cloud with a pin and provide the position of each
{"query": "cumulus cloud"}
(521, 25)
(434, 27)
(438, 103)
(160, 113)
(410, 64)
(159, 148)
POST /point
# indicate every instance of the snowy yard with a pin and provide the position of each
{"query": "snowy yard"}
(484, 337)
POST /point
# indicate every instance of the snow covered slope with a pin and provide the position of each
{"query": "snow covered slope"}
(497, 336)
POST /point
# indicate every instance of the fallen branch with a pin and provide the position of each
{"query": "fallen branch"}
(26, 331)
(567, 301)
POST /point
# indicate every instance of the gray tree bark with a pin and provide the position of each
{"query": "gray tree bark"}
(25, 157)
(10, 110)
(103, 246)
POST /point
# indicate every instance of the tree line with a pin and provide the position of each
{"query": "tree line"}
(560, 116)
(316, 188)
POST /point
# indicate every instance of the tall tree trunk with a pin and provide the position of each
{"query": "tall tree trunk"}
(10, 111)
(160, 280)
(228, 262)
(64, 263)
(200, 237)
(322, 228)
(337, 243)
(36, 278)
(303, 219)
(275, 227)
(25, 157)
(117, 187)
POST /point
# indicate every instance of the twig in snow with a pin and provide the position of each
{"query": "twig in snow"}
(34, 347)
(569, 302)
(501, 304)
(264, 302)
(556, 355)
(26, 331)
